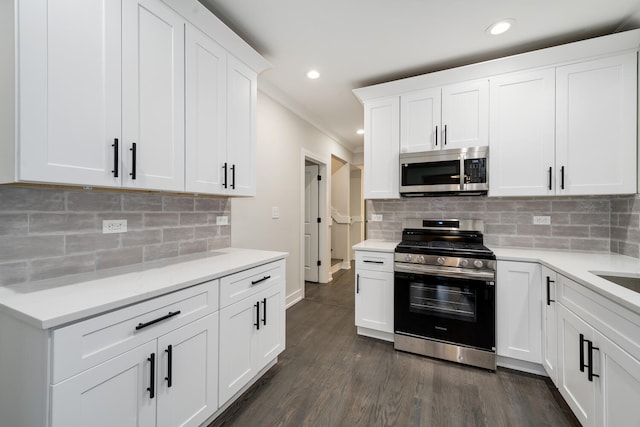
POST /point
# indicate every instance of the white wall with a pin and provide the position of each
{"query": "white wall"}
(283, 139)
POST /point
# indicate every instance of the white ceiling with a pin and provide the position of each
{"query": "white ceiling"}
(355, 43)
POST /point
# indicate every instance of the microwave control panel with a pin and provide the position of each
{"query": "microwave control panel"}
(475, 171)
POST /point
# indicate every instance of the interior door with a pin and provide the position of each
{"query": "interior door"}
(311, 226)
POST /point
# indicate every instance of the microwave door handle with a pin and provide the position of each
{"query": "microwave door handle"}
(462, 172)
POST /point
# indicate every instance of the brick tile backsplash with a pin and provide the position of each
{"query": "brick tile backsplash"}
(593, 224)
(51, 232)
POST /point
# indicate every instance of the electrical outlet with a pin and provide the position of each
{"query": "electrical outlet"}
(376, 217)
(222, 220)
(114, 226)
(542, 220)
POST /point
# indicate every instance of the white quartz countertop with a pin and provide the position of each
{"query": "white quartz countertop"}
(51, 303)
(578, 266)
(581, 266)
(376, 245)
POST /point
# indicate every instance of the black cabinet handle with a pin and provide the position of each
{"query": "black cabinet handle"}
(133, 150)
(224, 184)
(169, 376)
(549, 300)
(152, 376)
(264, 311)
(115, 157)
(582, 365)
(233, 177)
(357, 283)
(159, 319)
(436, 136)
(590, 349)
(562, 177)
(445, 134)
(255, 282)
(257, 306)
(373, 262)
(550, 177)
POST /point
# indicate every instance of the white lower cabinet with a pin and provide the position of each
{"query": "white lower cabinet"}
(252, 330)
(598, 375)
(170, 381)
(374, 294)
(518, 303)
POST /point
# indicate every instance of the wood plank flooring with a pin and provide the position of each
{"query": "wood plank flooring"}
(329, 376)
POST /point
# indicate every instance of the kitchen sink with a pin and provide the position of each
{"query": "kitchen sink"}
(629, 282)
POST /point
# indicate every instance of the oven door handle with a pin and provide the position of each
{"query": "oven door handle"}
(456, 273)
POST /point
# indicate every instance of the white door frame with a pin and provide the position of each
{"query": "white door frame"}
(311, 227)
(324, 275)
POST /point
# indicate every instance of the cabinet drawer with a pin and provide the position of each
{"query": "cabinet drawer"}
(620, 325)
(87, 343)
(375, 261)
(238, 286)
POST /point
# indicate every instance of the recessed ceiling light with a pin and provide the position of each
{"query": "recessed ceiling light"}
(313, 74)
(500, 27)
(360, 131)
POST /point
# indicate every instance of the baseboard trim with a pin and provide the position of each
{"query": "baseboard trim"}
(372, 333)
(293, 299)
(521, 365)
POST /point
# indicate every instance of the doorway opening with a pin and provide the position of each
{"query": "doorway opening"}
(314, 243)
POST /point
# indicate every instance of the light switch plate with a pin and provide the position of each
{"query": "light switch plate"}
(110, 226)
(376, 217)
(542, 220)
(222, 220)
(275, 212)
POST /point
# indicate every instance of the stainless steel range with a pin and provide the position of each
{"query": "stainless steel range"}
(444, 292)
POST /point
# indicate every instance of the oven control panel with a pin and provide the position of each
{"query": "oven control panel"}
(447, 261)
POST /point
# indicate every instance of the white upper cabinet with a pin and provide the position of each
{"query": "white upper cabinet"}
(596, 124)
(242, 93)
(206, 76)
(381, 148)
(152, 96)
(522, 129)
(69, 88)
(420, 121)
(133, 94)
(465, 114)
(453, 116)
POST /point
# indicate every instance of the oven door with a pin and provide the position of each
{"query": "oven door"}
(449, 309)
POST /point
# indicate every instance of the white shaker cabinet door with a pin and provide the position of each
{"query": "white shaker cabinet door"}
(242, 84)
(69, 91)
(382, 148)
(573, 382)
(237, 339)
(519, 311)
(596, 126)
(188, 373)
(619, 388)
(153, 96)
(271, 336)
(465, 114)
(522, 132)
(420, 128)
(374, 300)
(115, 393)
(206, 149)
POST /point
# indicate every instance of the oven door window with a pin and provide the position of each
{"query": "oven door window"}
(432, 173)
(454, 310)
(443, 300)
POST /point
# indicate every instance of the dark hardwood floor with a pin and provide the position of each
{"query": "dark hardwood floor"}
(329, 376)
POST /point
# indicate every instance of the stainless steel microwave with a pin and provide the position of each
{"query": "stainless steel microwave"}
(442, 172)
